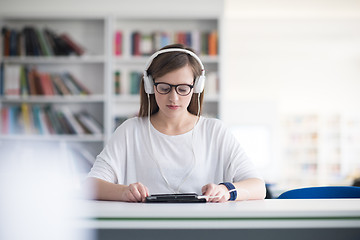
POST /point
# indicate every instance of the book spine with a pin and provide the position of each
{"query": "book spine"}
(36, 120)
(78, 129)
(118, 43)
(23, 82)
(1, 79)
(27, 118)
(43, 43)
(5, 120)
(212, 51)
(75, 47)
(6, 41)
(117, 86)
(79, 85)
(90, 123)
(135, 78)
(12, 80)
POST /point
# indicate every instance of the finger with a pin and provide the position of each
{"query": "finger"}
(209, 190)
(130, 197)
(143, 192)
(135, 192)
(204, 189)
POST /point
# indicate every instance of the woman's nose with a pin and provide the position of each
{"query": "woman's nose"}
(173, 94)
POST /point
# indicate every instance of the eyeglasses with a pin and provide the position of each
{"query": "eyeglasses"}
(181, 89)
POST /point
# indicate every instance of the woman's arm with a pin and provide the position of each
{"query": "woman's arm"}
(248, 189)
(103, 190)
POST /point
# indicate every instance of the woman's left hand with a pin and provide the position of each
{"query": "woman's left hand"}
(216, 193)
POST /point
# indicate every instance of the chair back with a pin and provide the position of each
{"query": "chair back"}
(322, 192)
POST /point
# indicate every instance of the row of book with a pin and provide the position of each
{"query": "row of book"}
(133, 85)
(31, 41)
(144, 44)
(45, 120)
(20, 80)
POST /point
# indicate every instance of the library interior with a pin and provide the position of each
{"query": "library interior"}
(283, 76)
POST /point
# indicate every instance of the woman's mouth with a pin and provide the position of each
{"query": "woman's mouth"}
(173, 107)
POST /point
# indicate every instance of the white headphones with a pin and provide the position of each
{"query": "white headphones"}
(149, 82)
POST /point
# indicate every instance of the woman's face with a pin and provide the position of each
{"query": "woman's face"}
(172, 104)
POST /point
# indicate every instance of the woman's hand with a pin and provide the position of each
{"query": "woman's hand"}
(135, 192)
(216, 193)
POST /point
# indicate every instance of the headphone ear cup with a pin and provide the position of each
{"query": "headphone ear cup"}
(199, 84)
(148, 84)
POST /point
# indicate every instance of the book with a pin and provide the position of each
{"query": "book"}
(5, 120)
(1, 78)
(65, 125)
(24, 89)
(72, 45)
(6, 41)
(89, 123)
(38, 126)
(212, 44)
(146, 44)
(74, 90)
(12, 79)
(79, 85)
(27, 118)
(135, 79)
(46, 84)
(78, 129)
(31, 82)
(117, 86)
(135, 47)
(46, 49)
(118, 43)
(60, 85)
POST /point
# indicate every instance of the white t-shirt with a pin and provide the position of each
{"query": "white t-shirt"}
(129, 157)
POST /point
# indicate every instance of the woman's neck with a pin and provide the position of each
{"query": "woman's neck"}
(173, 126)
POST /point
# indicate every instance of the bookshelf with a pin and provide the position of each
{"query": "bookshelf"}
(108, 43)
(27, 114)
(321, 149)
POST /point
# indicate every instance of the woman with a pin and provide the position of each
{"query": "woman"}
(169, 147)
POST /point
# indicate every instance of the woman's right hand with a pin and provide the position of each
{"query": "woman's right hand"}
(135, 192)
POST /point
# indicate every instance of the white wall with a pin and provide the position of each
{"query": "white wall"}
(124, 7)
(302, 55)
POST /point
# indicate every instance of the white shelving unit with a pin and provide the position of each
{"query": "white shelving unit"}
(97, 66)
(90, 69)
(321, 149)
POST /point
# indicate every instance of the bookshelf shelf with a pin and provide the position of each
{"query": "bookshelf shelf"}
(54, 60)
(53, 99)
(59, 138)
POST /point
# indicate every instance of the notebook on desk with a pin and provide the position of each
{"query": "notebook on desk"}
(175, 198)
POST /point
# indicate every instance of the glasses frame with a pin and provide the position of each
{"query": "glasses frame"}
(173, 86)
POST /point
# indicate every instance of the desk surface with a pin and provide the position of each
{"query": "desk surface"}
(274, 213)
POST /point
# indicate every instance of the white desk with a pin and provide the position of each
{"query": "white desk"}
(342, 215)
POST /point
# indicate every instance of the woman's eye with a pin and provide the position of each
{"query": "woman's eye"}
(164, 88)
(183, 89)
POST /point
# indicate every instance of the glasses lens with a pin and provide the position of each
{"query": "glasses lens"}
(183, 90)
(163, 88)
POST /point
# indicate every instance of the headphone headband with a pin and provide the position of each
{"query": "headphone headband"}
(148, 81)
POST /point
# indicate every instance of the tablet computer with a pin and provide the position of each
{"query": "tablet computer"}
(175, 198)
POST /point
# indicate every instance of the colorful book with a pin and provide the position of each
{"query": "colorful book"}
(12, 79)
(117, 86)
(118, 43)
(72, 45)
